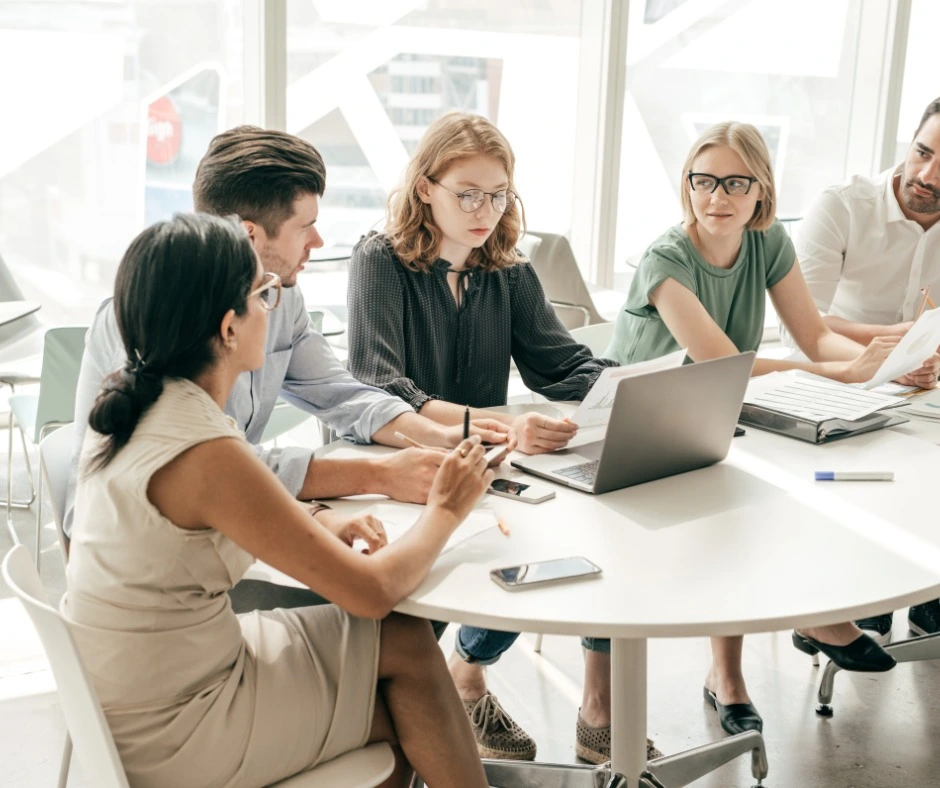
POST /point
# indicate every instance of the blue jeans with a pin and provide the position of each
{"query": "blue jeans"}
(486, 646)
(478, 646)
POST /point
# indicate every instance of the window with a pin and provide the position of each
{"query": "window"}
(366, 79)
(920, 83)
(790, 69)
(122, 100)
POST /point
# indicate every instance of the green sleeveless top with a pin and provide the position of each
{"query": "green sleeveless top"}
(734, 296)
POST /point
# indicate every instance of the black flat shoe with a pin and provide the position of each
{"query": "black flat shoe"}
(863, 654)
(735, 717)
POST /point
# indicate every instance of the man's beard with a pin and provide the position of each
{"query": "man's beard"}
(272, 261)
(919, 204)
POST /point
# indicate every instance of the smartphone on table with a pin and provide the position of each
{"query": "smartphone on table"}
(520, 491)
(539, 573)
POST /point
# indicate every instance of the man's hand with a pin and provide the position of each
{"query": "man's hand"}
(347, 529)
(407, 474)
(488, 430)
(537, 433)
(925, 377)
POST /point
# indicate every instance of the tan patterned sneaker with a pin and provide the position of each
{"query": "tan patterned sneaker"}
(593, 744)
(498, 735)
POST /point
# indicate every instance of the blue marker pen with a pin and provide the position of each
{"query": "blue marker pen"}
(854, 476)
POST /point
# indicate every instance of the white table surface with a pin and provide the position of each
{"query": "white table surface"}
(752, 544)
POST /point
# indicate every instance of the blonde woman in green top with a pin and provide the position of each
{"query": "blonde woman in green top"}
(702, 286)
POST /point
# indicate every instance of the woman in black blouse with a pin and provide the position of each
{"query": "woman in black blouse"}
(438, 306)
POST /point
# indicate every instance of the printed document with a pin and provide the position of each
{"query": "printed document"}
(399, 517)
(813, 399)
(595, 410)
(915, 347)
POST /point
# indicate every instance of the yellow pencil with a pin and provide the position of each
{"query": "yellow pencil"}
(927, 300)
(412, 442)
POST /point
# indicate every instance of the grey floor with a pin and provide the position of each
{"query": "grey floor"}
(883, 732)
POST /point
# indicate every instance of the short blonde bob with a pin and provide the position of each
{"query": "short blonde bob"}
(410, 226)
(747, 142)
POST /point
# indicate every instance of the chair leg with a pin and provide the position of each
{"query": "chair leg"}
(65, 763)
(39, 526)
(9, 501)
(26, 502)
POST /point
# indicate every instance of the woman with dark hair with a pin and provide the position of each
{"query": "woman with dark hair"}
(173, 507)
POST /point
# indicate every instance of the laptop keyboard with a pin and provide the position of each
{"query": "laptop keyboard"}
(585, 473)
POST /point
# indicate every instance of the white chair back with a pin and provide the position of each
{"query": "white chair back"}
(557, 269)
(596, 337)
(54, 455)
(86, 722)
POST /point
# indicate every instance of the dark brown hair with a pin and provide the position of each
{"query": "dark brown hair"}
(257, 174)
(174, 285)
(932, 109)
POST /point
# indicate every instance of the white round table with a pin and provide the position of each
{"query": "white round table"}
(751, 544)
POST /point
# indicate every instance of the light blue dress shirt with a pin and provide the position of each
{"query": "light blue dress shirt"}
(299, 366)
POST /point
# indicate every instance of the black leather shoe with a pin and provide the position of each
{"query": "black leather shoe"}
(735, 717)
(863, 654)
(878, 628)
(924, 619)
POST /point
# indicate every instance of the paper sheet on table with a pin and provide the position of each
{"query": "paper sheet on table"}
(595, 410)
(915, 347)
(924, 406)
(813, 399)
(399, 517)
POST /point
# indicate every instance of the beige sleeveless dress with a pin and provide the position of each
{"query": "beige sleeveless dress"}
(196, 696)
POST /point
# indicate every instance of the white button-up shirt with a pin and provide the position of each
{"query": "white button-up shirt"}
(862, 258)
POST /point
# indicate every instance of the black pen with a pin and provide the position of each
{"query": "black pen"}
(466, 423)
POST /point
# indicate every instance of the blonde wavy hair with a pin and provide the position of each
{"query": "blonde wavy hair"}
(410, 225)
(745, 140)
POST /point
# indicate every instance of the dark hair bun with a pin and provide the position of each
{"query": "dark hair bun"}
(124, 397)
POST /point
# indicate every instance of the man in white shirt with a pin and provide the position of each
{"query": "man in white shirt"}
(870, 254)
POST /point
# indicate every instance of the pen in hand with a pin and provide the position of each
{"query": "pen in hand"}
(466, 423)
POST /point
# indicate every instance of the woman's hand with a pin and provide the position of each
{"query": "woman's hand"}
(537, 433)
(348, 529)
(862, 368)
(461, 480)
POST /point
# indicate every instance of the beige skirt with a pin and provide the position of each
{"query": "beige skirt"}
(302, 692)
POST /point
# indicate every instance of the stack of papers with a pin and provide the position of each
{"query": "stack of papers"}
(924, 406)
(813, 399)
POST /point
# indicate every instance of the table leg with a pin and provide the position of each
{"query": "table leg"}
(628, 709)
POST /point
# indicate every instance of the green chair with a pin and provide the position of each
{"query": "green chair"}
(285, 416)
(54, 406)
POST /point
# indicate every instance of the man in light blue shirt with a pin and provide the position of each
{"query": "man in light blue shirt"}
(273, 182)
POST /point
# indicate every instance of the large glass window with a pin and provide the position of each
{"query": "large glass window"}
(108, 107)
(366, 79)
(920, 85)
(789, 69)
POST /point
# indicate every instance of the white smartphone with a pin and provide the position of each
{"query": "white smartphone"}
(520, 491)
(512, 578)
(495, 454)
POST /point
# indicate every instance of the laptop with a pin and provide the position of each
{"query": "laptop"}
(661, 424)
